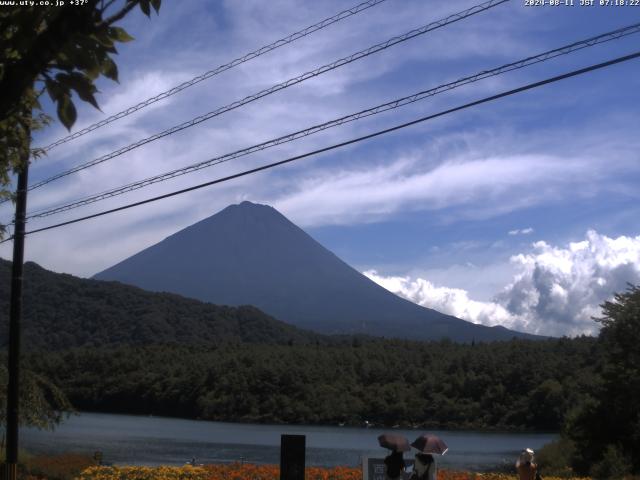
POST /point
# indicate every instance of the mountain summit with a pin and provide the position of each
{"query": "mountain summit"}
(250, 254)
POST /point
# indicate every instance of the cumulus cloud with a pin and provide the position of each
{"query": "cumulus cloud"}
(556, 290)
(454, 301)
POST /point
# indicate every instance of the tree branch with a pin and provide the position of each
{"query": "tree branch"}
(118, 16)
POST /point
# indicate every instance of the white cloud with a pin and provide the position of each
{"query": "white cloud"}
(523, 231)
(556, 291)
(453, 301)
(479, 186)
(561, 288)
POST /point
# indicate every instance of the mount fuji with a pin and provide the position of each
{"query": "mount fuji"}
(250, 254)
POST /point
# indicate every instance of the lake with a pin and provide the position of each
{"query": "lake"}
(138, 440)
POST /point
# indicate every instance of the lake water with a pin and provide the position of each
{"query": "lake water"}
(136, 440)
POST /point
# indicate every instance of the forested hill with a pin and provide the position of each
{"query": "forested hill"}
(116, 348)
(63, 311)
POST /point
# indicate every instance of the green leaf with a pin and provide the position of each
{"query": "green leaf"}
(67, 111)
(54, 89)
(111, 49)
(144, 6)
(103, 38)
(110, 69)
(119, 34)
(87, 95)
(92, 69)
(84, 58)
(156, 5)
(82, 84)
(62, 62)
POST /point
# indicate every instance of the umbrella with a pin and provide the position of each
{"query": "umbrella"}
(394, 442)
(428, 443)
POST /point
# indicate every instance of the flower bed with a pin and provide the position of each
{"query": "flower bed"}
(144, 473)
(237, 471)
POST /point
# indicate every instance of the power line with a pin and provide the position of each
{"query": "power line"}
(280, 86)
(564, 50)
(348, 142)
(222, 68)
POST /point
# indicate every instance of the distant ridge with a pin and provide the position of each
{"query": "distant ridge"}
(250, 254)
(62, 311)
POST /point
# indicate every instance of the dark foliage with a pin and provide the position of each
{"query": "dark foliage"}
(605, 427)
(42, 404)
(512, 385)
(554, 459)
(59, 50)
(116, 348)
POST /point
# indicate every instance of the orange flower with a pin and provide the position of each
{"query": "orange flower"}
(237, 471)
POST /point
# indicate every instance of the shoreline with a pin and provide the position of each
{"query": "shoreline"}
(345, 425)
(143, 440)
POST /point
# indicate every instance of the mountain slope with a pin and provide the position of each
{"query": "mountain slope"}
(63, 311)
(251, 254)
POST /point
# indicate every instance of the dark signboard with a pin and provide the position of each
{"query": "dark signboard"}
(292, 453)
(373, 468)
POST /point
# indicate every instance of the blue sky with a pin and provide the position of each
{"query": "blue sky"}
(522, 212)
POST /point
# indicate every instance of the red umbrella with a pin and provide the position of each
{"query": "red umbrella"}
(428, 443)
(394, 442)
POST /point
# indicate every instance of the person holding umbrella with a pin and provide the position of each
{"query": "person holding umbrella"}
(425, 467)
(527, 470)
(394, 463)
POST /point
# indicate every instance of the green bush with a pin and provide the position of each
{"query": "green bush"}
(613, 465)
(554, 459)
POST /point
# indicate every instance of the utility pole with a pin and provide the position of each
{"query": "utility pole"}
(15, 317)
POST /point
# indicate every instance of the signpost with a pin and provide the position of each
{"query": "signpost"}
(373, 468)
(292, 453)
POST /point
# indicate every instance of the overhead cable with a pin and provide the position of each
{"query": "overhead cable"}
(280, 86)
(564, 50)
(507, 93)
(222, 68)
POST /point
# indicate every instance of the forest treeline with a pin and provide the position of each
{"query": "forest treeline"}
(504, 385)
